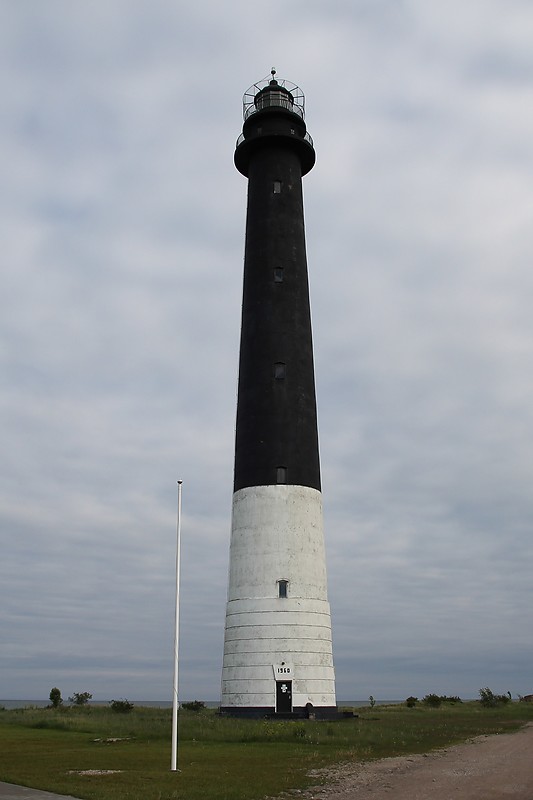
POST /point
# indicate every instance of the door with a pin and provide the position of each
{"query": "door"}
(283, 697)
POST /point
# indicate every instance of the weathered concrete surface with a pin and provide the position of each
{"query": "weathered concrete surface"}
(277, 534)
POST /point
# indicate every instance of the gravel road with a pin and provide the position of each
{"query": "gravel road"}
(497, 767)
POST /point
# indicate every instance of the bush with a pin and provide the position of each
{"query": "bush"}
(193, 705)
(490, 700)
(121, 706)
(435, 700)
(411, 701)
(80, 698)
(432, 700)
(487, 697)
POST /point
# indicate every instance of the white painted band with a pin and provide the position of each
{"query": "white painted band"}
(277, 535)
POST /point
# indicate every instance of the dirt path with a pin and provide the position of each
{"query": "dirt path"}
(498, 767)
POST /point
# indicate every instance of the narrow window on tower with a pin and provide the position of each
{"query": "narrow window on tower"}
(281, 474)
(277, 187)
(279, 371)
(278, 275)
(283, 588)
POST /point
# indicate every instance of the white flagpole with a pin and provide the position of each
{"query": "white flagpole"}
(175, 704)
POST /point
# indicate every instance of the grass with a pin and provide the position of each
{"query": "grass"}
(219, 758)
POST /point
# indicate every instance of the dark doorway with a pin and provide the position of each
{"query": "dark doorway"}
(283, 697)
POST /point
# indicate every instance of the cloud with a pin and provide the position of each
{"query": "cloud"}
(119, 319)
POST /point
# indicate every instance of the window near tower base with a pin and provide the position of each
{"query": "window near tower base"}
(283, 588)
(279, 371)
(277, 187)
(278, 275)
(281, 474)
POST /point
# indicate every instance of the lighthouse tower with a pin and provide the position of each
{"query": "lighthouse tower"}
(277, 649)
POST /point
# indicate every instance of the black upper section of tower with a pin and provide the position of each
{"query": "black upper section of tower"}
(276, 429)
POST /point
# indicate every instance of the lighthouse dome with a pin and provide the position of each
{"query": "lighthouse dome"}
(271, 92)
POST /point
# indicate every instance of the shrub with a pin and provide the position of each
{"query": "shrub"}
(121, 706)
(411, 701)
(487, 697)
(435, 700)
(503, 698)
(193, 705)
(491, 700)
(432, 700)
(80, 698)
(371, 701)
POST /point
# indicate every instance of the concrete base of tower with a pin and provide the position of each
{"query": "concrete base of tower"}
(277, 648)
(268, 712)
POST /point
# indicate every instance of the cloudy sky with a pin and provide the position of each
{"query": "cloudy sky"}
(122, 221)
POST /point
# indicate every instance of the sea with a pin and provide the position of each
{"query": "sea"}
(9, 704)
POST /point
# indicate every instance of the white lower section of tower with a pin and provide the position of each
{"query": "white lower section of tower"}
(277, 547)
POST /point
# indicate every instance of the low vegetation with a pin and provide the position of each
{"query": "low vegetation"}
(193, 705)
(121, 706)
(436, 700)
(80, 698)
(491, 700)
(92, 752)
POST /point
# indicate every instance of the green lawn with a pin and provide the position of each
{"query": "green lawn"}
(218, 758)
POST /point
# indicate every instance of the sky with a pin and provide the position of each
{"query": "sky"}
(122, 220)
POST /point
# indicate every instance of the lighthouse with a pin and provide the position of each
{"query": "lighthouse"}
(278, 657)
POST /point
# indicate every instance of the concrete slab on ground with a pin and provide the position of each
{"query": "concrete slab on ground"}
(9, 791)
